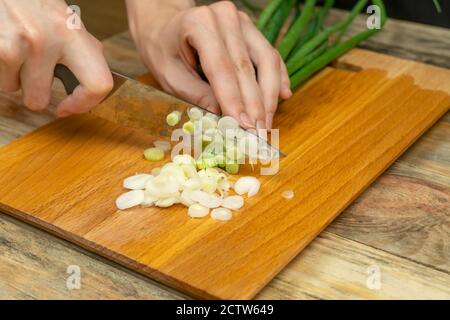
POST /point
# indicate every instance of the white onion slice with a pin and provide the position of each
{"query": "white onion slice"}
(163, 145)
(208, 123)
(209, 184)
(206, 199)
(227, 123)
(233, 202)
(149, 200)
(247, 185)
(155, 171)
(163, 186)
(130, 199)
(185, 198)
(136, 182)
(198, 211)
(221, 214)
(167, 202)
(183, 159)
(288, 194)
(195, 113)
(193, 184)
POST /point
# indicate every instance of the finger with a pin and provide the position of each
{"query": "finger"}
(11, 59)
(181, 80)
(230, 29)
(84, 57)
(216, 65)
(267, 61)
(36, 77)
(286, 91)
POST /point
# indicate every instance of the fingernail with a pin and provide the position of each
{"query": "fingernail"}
(260, 125)
(288, 91)
(269, 120)
(246, 120)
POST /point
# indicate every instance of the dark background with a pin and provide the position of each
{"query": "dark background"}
(422, 11)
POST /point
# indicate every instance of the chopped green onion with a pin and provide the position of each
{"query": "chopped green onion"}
(154, 154)
(204, 163)
(189, 127)
(173, 118)
(232, 168)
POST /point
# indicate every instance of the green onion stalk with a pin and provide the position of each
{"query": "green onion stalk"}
(336, 51)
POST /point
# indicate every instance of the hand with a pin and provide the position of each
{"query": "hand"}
(172, 36)
(33, 39)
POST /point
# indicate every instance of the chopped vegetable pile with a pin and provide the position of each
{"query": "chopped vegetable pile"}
(180, 182)
(203, 184)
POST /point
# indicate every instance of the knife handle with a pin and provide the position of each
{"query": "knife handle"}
(66, 76)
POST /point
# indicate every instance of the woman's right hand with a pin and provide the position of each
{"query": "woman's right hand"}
(34, 37)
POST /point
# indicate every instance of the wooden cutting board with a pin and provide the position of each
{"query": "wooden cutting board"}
(340, 131)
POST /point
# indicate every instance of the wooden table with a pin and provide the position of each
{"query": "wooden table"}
(399, 226)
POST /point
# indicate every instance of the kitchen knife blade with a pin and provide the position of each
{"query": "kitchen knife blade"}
(140, 106)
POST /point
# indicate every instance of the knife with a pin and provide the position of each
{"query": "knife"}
(140, 106)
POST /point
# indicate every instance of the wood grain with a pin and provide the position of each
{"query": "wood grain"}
(348, 128)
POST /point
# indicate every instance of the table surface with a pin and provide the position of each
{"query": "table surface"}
(400, 226)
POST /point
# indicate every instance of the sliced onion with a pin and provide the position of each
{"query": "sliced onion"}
(189, 171)
(227, 123)
(167, 202)
(130, 199)
(163, 186)
(212, 115)
(198, 211)
(154, 154)
(149, 200)
(156, 171)
(193, 184)
(208, 123)
(185, 198)
(206, 199)
(173, 118)
(195, 113)
(221, 214)
(163, 145)
(184, 159)
(175, 171)
(247, 185)
(136, 182)
(233, 202)
(209, 184)
(288, 194)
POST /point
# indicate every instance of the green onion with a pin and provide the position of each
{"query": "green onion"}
(323, 12)
(335, 52)
(437, 5)
(189, 127)
(275, 24)
(173, 118)
(232, 168)
(267, 13)
(323, 36)
(312, 56)
(154, 154)
(293, 34)
(250, 6)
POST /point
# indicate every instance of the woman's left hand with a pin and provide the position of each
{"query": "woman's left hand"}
(246, 75)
